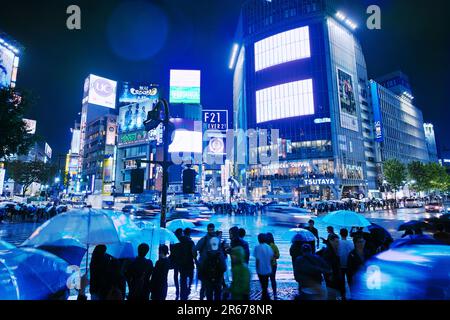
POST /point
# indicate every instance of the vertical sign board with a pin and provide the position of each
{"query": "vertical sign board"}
(347, 102)
(377, 117)
(2, 180)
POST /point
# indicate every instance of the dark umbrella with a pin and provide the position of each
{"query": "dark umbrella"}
(379, 233)
(415, 239)
(414, 224)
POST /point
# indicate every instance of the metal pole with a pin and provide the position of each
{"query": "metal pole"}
(165, 166)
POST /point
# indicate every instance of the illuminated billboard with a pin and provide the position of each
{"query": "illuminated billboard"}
(100, 91)
(347, 103)
(8, 66)
(185, 86)
(2, 179)
(31, 126)
(282, 47)
(287, 100)
(48, 151)
(132, 116)
(188, 136)
(137, 92)
(377, 117)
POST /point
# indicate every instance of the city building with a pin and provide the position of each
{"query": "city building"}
(99, 155)
(398, 123)
(134, 143)
(431, 142)
(72, 172)
(445, 159)
(299, 68)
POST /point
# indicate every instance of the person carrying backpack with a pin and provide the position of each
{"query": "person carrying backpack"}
(213, 269)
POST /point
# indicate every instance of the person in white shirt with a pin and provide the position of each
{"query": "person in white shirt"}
(263, 254)
(345, 247)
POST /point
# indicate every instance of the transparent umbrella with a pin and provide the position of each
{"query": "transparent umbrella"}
(298, 234)
(6, 245)
(89, 227)
(31, 274)
(180, 223)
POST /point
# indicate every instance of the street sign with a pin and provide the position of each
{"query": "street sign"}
(215, 119)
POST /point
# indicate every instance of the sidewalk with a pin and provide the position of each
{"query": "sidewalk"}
(286, 290)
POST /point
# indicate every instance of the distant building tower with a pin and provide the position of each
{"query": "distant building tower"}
(431, 141)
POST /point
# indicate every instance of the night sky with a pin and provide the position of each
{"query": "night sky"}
(141, 40)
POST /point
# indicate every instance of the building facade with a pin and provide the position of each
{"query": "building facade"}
(430, 139)
(98, 155)
(398, 123)
(299, 68)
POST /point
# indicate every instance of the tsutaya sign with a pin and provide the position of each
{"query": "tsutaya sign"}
(318, 182)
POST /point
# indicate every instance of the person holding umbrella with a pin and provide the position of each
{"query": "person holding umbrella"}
(100, 273)
(334, 280)
(138, 275)
(309, 270)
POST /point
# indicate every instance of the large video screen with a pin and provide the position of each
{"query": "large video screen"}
(132, 116)
(282, 47)
(185, 86)
(132, 92)
(6, 66)
(188, 136)
(101, 91)
(288, 100)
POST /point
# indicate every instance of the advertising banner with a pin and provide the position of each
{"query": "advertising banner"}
(111, 133)
(101, 91)
(215, 119)
(132, 116)
(2, 179)
(6, 66)
(185, 86)
(347, 103)
(132, 138)
(48, 151)
(377, 117)
(137, 92)
(31, 125)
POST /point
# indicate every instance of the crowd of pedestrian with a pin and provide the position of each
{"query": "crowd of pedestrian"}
(21, 212)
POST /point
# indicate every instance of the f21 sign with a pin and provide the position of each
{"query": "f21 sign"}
(215, 119)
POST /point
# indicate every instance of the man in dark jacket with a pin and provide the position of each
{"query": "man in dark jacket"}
(175, 256)
(213, 269)
(186, 264)
(334, 280)
(202, 247)
(235, 241)
(158, 283)
(314, 231)
(138, 275)
(309, 270)
(100, 273)
(357, 258)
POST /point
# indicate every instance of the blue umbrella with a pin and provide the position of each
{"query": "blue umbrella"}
(345, 218)
(31, 274)
(417, 272)
(6, 245)
(69, 249)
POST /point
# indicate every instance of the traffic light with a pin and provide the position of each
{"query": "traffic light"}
(153, 118)
(137, 181)
(189, 181)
